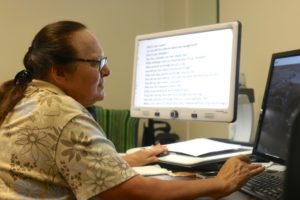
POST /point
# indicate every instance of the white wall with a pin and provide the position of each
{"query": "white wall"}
(268, 26)
(115, 23)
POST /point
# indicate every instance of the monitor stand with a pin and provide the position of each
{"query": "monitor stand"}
(241, 129)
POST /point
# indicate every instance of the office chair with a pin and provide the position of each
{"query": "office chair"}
(118, 125)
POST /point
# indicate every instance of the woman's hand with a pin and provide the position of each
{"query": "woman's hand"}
(236, 172)
(145, 156)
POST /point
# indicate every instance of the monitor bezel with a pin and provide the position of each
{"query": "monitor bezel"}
(218, 115)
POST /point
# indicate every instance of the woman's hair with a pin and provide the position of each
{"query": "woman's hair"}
(52, 46)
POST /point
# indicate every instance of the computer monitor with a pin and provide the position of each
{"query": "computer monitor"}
(281, 103)
(189, 74)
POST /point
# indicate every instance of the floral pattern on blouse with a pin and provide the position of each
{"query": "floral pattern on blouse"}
(51, 148)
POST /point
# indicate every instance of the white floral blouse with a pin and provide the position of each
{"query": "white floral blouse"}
(51, 148)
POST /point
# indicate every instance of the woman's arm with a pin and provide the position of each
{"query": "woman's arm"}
(234, 173)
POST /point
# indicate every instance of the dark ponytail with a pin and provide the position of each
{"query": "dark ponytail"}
(10, 94)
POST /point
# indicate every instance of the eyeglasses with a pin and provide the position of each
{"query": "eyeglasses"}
(102, 62)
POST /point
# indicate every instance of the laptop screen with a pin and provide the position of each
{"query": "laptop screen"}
(280, 107)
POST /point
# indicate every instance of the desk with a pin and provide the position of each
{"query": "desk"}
(234, 196)
(238, 196)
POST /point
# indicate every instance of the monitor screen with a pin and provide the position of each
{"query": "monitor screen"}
(188, 74)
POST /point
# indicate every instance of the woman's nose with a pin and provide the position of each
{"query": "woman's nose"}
(105, 71)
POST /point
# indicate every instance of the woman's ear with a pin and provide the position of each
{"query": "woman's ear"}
(57, 75)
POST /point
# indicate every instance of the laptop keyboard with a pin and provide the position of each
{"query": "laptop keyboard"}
(267, 185)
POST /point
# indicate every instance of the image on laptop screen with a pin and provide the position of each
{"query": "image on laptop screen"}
(280, 106)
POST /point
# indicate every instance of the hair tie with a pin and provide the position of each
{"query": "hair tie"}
(23, 77)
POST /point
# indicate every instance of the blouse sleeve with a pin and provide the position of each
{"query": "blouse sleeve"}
(87, 160)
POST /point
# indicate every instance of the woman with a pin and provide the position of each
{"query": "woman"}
(51, 147)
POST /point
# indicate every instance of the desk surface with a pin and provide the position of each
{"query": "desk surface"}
(238, 195)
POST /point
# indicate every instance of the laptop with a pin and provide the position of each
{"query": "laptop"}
(279, 108)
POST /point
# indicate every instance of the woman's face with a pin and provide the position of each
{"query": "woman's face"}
(86, 84)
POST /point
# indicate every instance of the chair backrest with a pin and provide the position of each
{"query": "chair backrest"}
(292, 179)
(119, 126)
